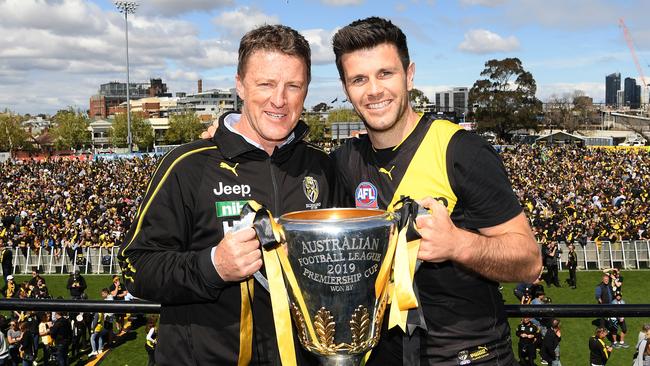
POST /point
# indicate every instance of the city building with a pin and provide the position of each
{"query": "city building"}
(453, 101)
(111, 95)
(632, 94)
(209, 104)
(612, 86)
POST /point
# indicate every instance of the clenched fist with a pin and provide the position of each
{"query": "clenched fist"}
(238, 255)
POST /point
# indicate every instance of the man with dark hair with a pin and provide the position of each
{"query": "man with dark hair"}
(476, 234)
(77, 285)
(6, 260)
(182, 250)
(61, 333)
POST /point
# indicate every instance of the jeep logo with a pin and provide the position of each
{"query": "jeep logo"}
(243, 190)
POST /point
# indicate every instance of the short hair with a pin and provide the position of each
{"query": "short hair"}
(600, 330)
(368, 33)
(278, 38)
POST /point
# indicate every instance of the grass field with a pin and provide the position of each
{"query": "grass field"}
(575, 331)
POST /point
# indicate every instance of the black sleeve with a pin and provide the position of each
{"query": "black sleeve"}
(479, 179)
(156, 261)
(344, 192)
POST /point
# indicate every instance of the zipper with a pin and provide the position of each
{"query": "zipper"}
(276, 193)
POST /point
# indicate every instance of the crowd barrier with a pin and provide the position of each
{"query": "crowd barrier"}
(97, 260)
(626, 254)
(88, 260)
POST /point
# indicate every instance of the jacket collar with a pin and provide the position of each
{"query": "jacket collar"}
(233, 145)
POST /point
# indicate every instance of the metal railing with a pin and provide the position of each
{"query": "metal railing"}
(558, 311)
(88, 260)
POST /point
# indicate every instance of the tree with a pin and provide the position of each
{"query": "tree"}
(12, 136)
(505, 101)
(321, 107)
(343, 115)
(183, 127)
(317, 127)
(70, 129)
(141, 131)
(417, 97)
(559, 113)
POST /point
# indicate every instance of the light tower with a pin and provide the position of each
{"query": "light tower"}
(126, 8)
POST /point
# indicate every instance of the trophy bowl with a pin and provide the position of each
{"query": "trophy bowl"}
(335, 256)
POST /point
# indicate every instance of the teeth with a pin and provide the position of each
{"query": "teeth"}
(274, 115)
(378, 105)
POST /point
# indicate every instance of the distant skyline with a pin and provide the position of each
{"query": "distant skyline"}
(56, 53)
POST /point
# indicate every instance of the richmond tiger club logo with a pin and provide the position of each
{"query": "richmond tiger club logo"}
(310, 189)
(365, 195)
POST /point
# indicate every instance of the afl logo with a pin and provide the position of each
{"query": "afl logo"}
(366, 195)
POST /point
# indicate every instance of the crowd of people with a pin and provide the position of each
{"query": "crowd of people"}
(54, 338)
(577, 194)
(59, 206)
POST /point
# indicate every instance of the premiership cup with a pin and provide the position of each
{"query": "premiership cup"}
(335, 257)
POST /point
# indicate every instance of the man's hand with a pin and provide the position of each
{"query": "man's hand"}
(211, 131)
(439, 234)
(238, 255)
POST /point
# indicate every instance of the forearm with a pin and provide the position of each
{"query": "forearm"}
(171, 277)
(508, 257)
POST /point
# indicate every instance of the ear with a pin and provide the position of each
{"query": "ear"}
(239, 84)
(410, 75)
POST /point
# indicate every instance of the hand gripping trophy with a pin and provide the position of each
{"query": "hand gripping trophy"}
(330, 271)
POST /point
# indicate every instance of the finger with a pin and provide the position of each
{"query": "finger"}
(245, 234)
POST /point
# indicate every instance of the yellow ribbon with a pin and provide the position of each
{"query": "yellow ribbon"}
(246, 289)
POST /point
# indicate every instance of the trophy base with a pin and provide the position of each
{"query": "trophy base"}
(340, 360)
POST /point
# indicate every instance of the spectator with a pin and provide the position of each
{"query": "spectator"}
(9, 290)
(598, 352)
(27, 346)
(14, 336)
(35, 277)
(77, 285)
(46, 339)
(151, 339)
(618, 323)
(528, 334)
(550, 350)
(615, 279)
(4, 350)
(642, 354)
(550, 252)
(6, 260)
(98, 335)
(572, 265)
(62, 335)
(603, 295)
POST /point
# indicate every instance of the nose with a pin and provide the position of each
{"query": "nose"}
(375, 88)
(279, 97)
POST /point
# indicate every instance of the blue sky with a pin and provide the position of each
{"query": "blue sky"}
(55, 53)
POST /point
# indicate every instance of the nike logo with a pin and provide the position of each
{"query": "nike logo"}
(231, 168)
(389, 173)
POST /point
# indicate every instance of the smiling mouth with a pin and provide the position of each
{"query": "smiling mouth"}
(379, 105)
(275, 115)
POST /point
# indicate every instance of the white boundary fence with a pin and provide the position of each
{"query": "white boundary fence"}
(624, 254)
(88, 260)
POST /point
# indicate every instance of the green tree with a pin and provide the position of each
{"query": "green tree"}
(505, 101)
(417, 97)
(70, 129)
(183, 127)
(342, 115)
(12, 136)
(141, 131)
(317, 127)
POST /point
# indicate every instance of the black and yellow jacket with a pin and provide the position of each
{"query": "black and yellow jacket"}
(195, 195)
(463, 311)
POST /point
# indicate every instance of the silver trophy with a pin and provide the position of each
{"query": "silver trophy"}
(335, 256)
